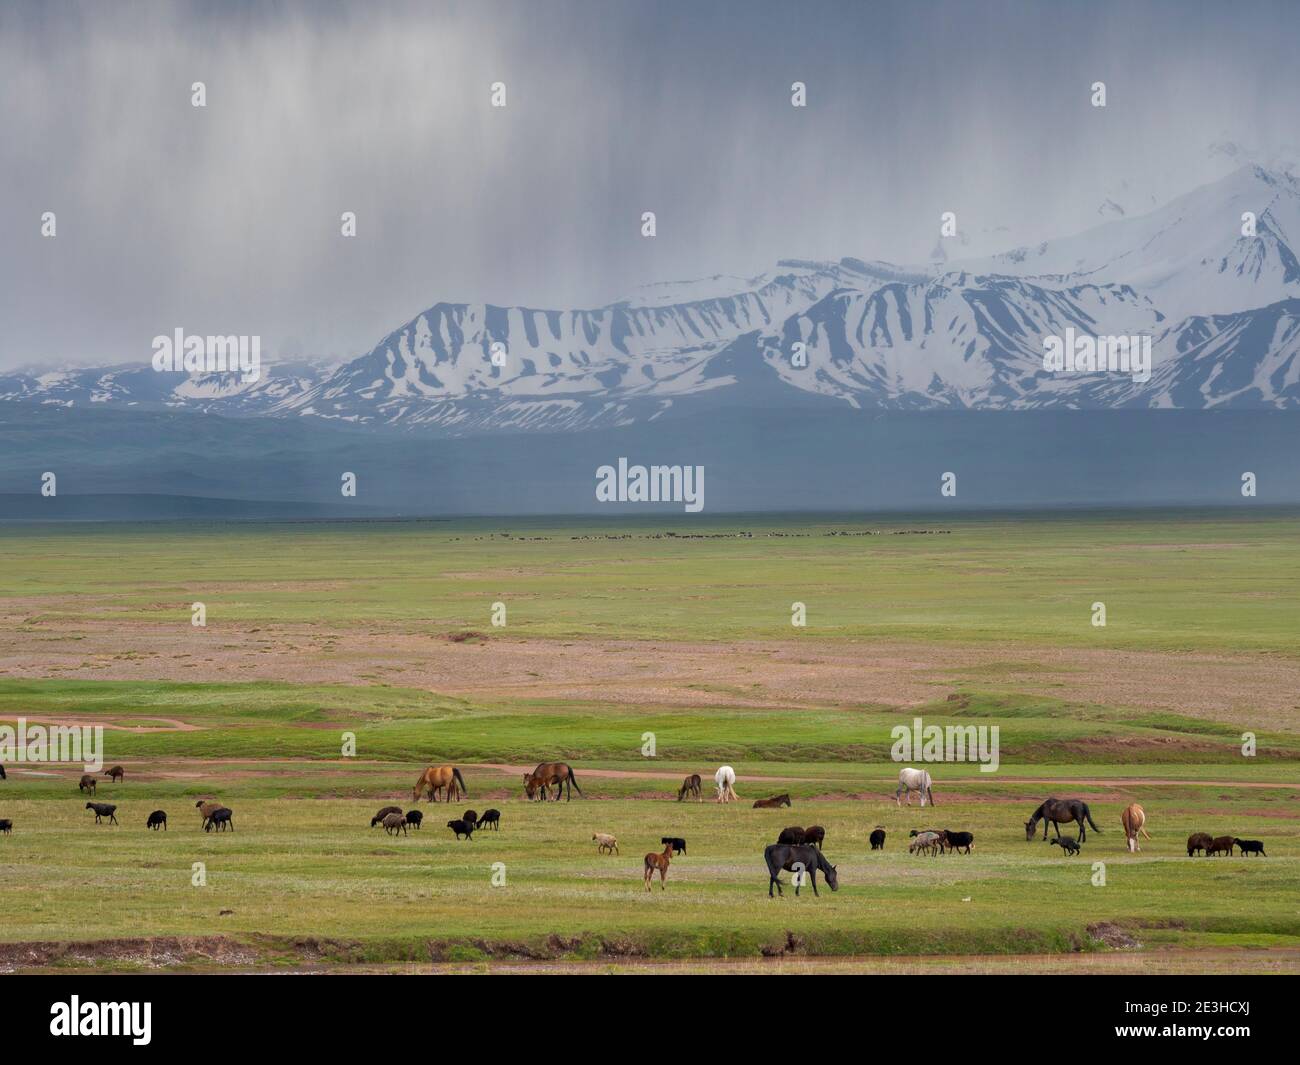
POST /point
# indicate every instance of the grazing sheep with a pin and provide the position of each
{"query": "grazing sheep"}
(470, 818)
(462, 828)
(814, 836)
(928, 842)
(793, 835)
(6, 826)
(490, 817)
(605, 843)
(878, 839)
(378, 819)
(115, 774)
(678, 844)
(957, 840)
(87, 782)
(934, 839)
(157, 819)
(393, 823)
(1070, 846)
(1221, 845)
(220, 819)
(1198, 841)
(1250, 846)
(206, 808)
(414, 818)
(102, 810)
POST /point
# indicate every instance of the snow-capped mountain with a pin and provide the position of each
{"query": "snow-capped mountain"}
(1219, 300)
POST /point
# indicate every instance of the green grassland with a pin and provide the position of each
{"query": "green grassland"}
(1226, 583)
(303, 877)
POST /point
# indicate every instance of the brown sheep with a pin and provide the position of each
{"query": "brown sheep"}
(86, 782)
(378, 819)
(395, 821)
(207, 807)
(1198, 841)
(115, 774)
(1221, 844)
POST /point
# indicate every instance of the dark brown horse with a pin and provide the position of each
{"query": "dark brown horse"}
(435, 779)
(1061, 812)
(800, 860)
(772, 803)
(690, 786)
(551, 774)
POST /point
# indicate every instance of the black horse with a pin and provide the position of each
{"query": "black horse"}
(1061, 812)
(808, 860)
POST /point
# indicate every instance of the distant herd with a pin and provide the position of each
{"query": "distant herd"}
(797, 849)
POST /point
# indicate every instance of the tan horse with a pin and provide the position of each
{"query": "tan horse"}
(558, 775)
(435, 779)
(1134, 820)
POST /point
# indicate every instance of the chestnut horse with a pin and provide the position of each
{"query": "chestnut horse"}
(548, 774)
(1134, 820)
(435, 779)
(658, 863)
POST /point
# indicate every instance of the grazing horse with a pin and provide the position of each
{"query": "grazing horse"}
(658, 863)
(1061, 812)
(800, 860)
(725, 779)
(548, 774)
(690, 786)
(1134, 820)
(437, 778)
(910, 780)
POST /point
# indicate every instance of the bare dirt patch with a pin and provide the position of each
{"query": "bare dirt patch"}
(1254, 689)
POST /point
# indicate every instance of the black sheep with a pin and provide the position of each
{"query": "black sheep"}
(878, 840)
(470, 818)
(793, 836)
(6, 826)
(413, 818)
(490, 817)
(1250, 846)
(102, 810)
(957, 840)
(679, 844)
(156, 820)
(462, 828)
(223, 817)
(1070, 846)
(814, 835)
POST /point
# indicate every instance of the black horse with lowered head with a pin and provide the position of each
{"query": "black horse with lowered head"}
(798, 858)
(1061, 812)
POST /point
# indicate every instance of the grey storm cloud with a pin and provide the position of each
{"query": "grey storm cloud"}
(225, 219)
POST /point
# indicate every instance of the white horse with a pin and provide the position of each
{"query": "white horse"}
(725, 778)
(910, 780)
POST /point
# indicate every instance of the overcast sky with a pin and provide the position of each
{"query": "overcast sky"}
(225, 219)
